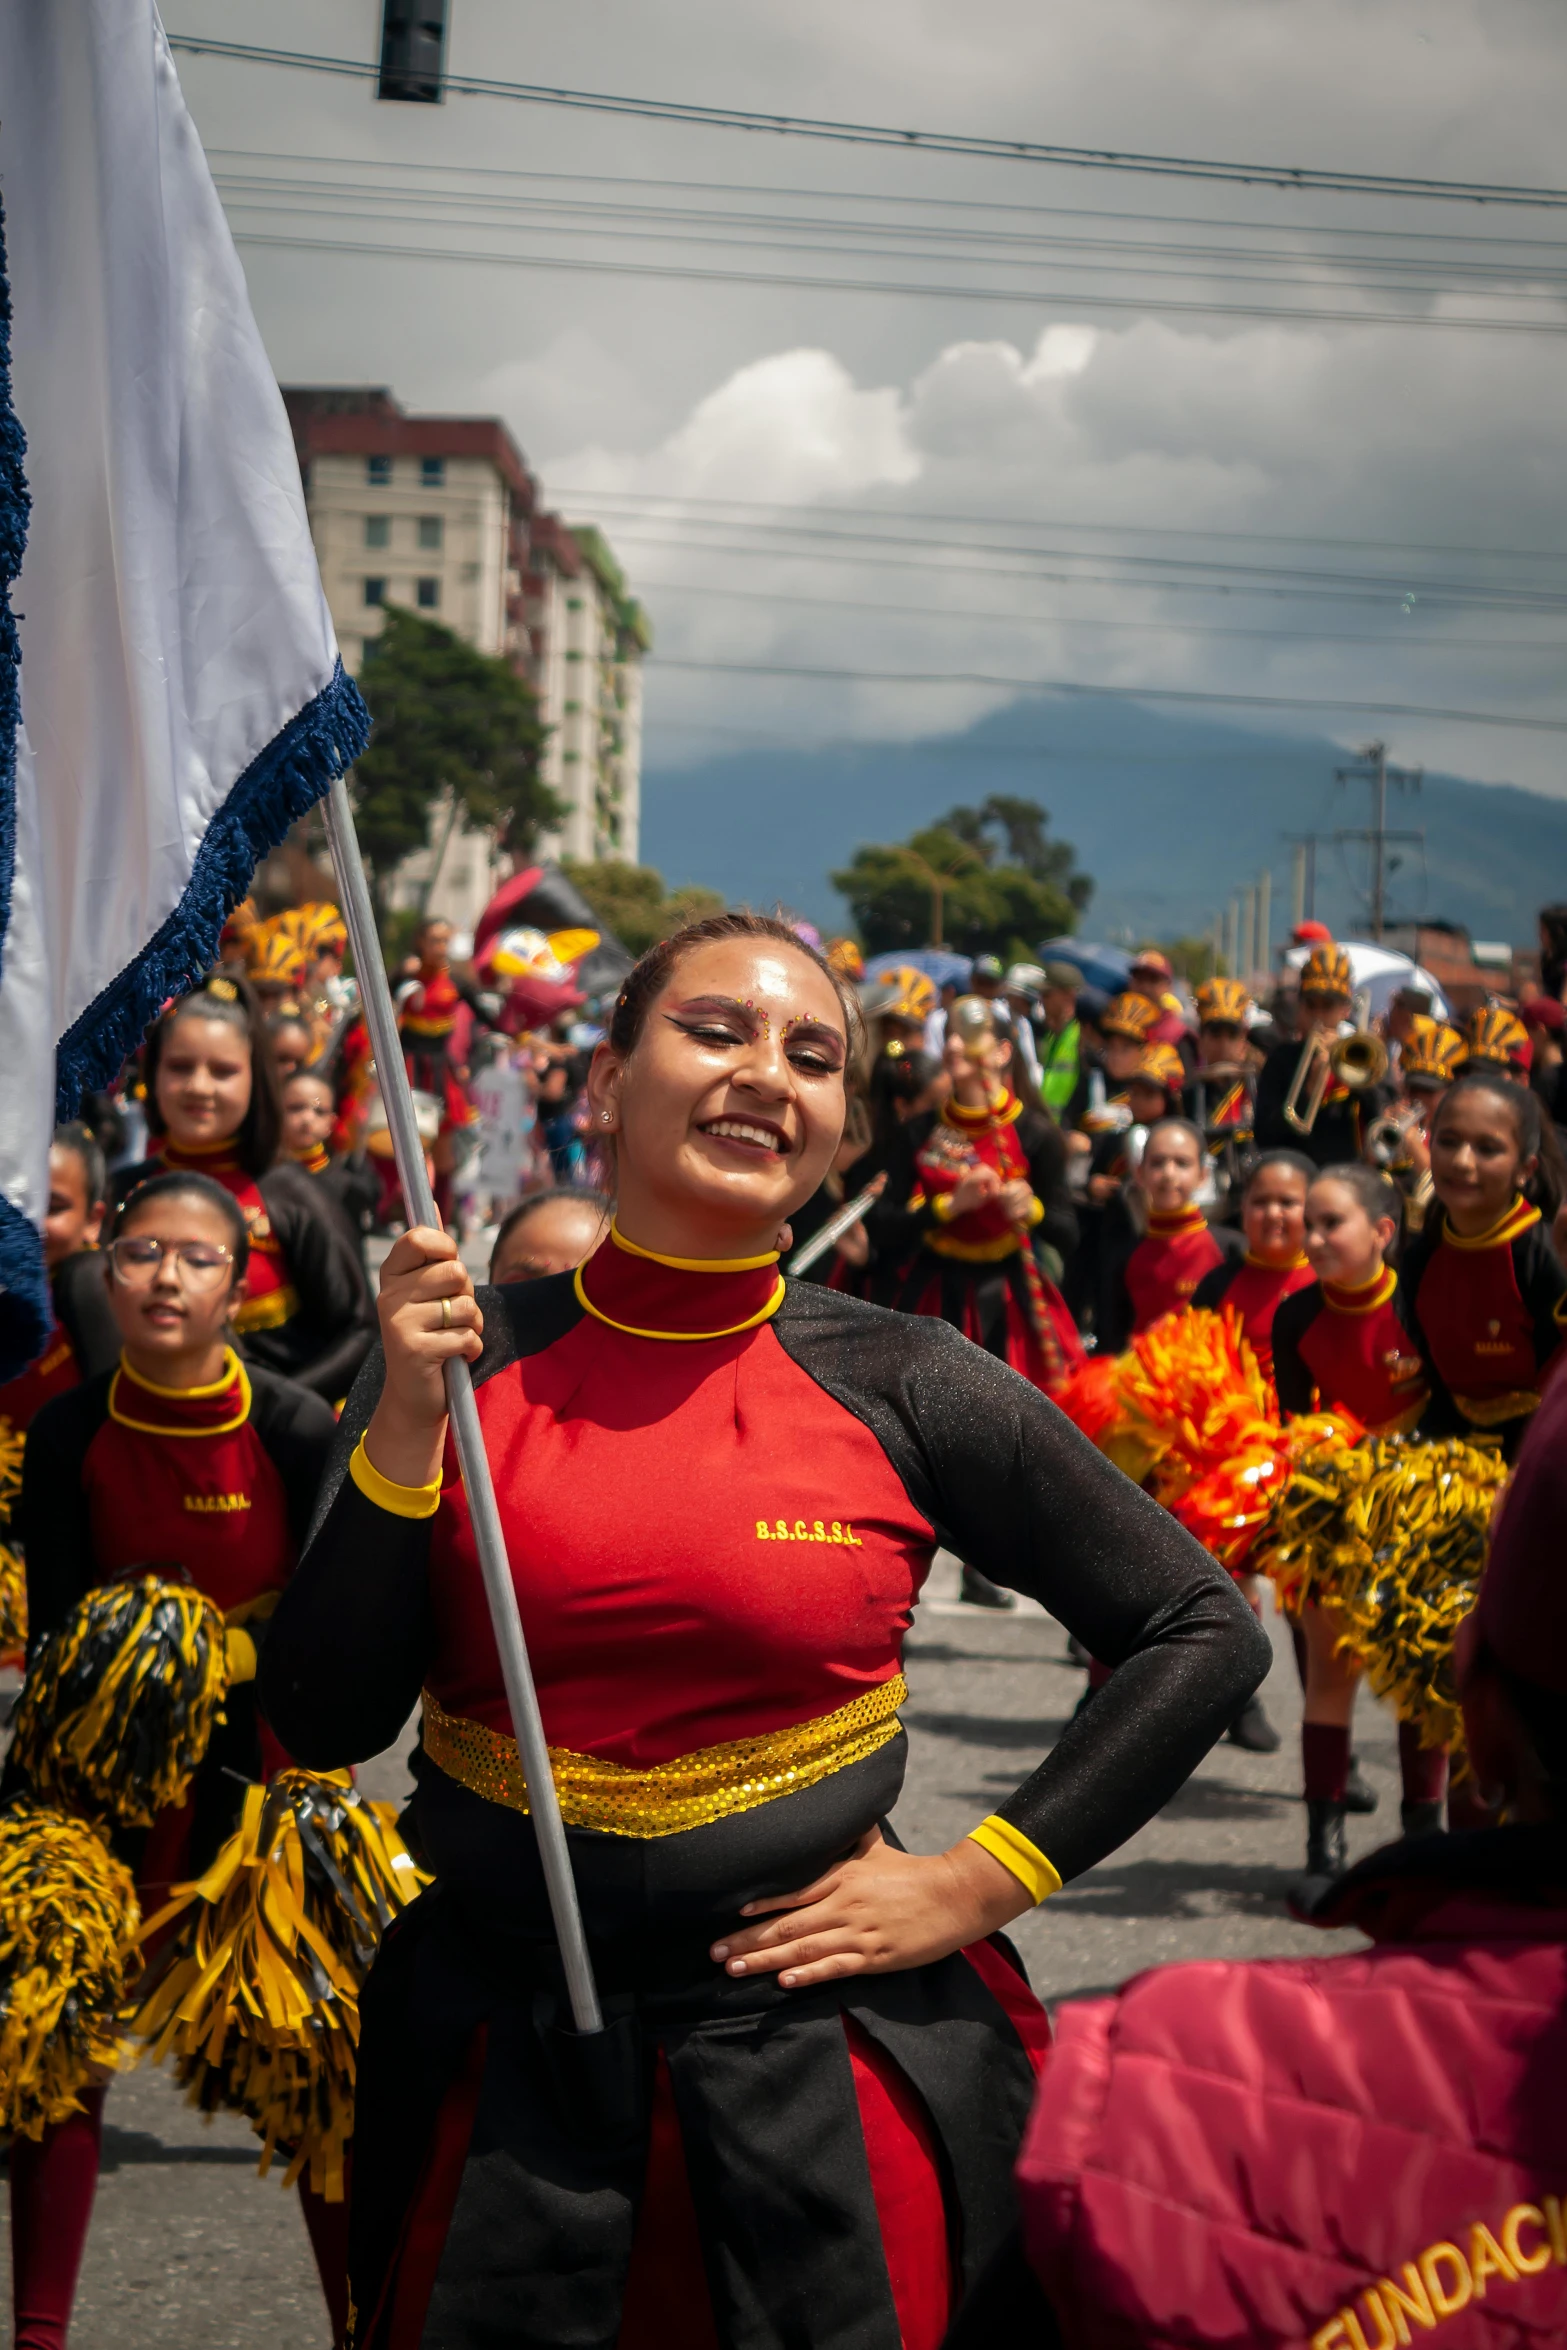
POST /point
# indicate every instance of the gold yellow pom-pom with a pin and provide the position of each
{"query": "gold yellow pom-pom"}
(257, 1996)
(121, 1699)
(68, 1921)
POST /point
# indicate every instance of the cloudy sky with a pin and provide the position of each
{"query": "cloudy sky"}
(1058, 425)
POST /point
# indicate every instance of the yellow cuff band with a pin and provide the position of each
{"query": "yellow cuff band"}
(240, 1654)
(941, 1207)
(403, 1501)
(1036, 1209)
(1028, 1864)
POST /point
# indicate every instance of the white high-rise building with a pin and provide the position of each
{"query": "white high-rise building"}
(440, 514)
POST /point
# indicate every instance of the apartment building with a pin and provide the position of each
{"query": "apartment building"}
(440, 514)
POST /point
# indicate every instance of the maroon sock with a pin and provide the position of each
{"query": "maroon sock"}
(1423, 1768)
(1298, 1644)
(1324, 1755)
(1098, 1674)
(52, 2183)
(327, 2227)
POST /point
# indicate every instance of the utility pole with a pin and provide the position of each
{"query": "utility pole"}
(1303, 877)
(1372, 768)
(1232, 937)
(1264, 961)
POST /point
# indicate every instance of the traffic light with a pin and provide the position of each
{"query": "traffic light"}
(413, 44)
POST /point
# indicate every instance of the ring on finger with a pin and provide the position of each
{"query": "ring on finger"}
(446, 1313)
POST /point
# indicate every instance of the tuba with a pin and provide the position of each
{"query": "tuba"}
(1357, 1060)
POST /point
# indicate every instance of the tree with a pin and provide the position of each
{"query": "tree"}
(448, 722)
(985, 880)
(631, 900)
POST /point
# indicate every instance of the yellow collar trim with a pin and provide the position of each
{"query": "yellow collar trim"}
(1364, 1297)
(1004, 1109)
(232, 1368)
(1514, 1220)
(1261, 1264)
(199, 1150)
(690, 1337)
(690, 1264)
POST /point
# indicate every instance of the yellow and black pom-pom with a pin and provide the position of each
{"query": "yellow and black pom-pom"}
(13, 1580)
(68, 1922)
(1390, 1534)
(257, 1996)
(120, 1701)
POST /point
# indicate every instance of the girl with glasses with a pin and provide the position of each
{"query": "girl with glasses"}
(185, 1461)
(213, 1108)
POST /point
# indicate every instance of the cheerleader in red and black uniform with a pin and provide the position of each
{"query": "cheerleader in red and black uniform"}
(990, 1182)
(1159, 1273)
(1275, 1263)
(82, 1338)
(183, 1461)
(1347, 1342)
(428, 1004)
(213, 1108)
(1487, 1291)
(720, 1493)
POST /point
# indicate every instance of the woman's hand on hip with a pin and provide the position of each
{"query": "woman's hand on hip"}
(874, 1913)
(429, 1317)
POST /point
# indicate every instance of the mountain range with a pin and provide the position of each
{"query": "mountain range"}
(1169, 813)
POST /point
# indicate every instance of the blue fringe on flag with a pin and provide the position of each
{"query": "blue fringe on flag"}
(283, 784)
(24, 1318)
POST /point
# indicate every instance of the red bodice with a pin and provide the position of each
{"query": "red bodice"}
(270, 1298)
(179, 1478)
(1256, 1293)
(960, 1141)
(1168, 1262)
(1361, 1357)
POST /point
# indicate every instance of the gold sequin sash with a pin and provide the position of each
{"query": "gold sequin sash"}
(708, 1784)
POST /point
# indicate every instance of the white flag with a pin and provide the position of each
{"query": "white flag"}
(181, 697)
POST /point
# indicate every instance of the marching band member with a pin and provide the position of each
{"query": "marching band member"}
(1162, 1270)
(1338, 1130)
(990, 1177)
(1221, 1093)
(429, 1001)
(180, 1453)
(82, 1338)
(1347, 1343)
(1400, 1140)
(213, 1108)
(1101, 1108)
(818, 2063)
(1495, 1038)
(1275, 1263)
(1487, 1292)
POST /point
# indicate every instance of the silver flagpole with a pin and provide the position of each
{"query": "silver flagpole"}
(521, 1696)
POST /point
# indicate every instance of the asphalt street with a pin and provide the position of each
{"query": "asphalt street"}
(190, 2250)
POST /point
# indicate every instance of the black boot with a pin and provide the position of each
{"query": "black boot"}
(1326, 1856)
(1359, 1794)
(1252, 1730)
(1420, 1819)
(979, 1591)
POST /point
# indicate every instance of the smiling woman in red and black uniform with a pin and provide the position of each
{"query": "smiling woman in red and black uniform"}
(721, 1494)
(1487, 1291)
(213, 1107)
(181, 1461)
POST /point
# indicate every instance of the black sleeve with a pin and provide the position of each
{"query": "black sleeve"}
(52, 1520)
(1010, 1485)
(1044, 1146)
(894, 1229)
(1113, 1312)
(1292, 1318)
(1213, 1288)
(81, 1307)
(1441, 1416)
(1542, 1284)
(1274, 1133)
(334, 1299)
(346, 1653)
(298, 1431)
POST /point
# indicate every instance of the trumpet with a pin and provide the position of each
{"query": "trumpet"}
(1357, 1060)
(1387, 1136)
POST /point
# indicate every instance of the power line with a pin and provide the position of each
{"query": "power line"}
(1011, 206)
(1120, 693)
(636, 531)
(947, 614)
(1161, 530)
(733, 118)
(695, 225)
(1072, 299)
